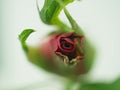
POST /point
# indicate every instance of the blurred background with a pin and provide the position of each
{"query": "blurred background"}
(100, 20)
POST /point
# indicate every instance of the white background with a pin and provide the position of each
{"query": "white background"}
(100, 20)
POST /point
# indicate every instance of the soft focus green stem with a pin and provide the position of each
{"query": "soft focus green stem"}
(62, 26)
(69, 85)
(73, 23)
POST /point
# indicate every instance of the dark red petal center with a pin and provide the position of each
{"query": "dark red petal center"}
(66, 45)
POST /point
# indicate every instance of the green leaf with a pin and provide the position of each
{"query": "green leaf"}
(116, 84)
(101, 86)
(96, 86)
(23, 36)
(51, 10)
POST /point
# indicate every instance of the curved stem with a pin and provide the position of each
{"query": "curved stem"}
(73, 23)
(70, 85)
(62, 25)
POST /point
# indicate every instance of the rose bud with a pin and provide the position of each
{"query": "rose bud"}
(60, 53)
(63, 53)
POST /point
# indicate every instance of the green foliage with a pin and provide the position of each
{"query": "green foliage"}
(101, 86)
(51, 10)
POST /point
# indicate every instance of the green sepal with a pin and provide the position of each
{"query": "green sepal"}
(32, 53)
(23, 36)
